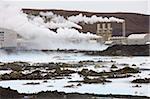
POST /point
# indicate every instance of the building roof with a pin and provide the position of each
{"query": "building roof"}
(5, 29)
(118, 37)
(108, 42)
(137, 36)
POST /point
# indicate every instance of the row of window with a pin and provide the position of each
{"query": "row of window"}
(104, 31)
(1, 32)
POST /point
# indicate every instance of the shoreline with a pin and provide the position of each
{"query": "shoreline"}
(114, 50)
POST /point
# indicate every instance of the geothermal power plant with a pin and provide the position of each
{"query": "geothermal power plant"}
(11, 39)
(42, 26)
(74, 54)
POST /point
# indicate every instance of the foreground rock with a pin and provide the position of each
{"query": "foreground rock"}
(7, 93)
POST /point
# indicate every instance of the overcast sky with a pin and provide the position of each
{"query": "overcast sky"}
(137, 6)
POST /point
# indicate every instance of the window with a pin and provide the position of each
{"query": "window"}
(1, 32)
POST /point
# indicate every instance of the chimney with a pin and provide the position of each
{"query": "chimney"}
(124, 29)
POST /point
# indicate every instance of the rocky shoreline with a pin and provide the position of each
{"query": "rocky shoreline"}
(7, 93)
(114, 50)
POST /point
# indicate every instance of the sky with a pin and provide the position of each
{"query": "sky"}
(135, 6)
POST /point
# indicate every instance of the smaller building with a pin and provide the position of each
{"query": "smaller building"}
(97, 39)
(138, 39)
(119, 40)
(8, 38)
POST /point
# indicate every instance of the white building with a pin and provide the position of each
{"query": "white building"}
(118, 40)
(97, 39)
(138, 39)
(8, 38)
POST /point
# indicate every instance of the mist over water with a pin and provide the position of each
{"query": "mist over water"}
(41, 57)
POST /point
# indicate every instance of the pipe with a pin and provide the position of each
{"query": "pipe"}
(124, 29)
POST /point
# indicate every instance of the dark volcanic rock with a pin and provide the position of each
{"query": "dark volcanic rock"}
(86, 72)
(95, 80)
(5, 77)
(114, 66)
(127, 70)
(7, 93)
(15, 66)
(119, 76)
(87, 80)
(146, 80)
(123, 50)
(12, 76)
(69, 86)
(118, 73)
(34, 75)
(32, 83)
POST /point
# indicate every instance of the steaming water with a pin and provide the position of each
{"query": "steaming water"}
(118, 86)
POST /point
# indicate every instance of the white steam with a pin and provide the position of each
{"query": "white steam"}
(57, 21)
(36, 34)
(93, 19)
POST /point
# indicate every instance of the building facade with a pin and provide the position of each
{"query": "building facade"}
(104, 30)
(138, 39)
(8, 38)
(119, 40)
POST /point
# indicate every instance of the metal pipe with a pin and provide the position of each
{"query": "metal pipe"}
(124, 29)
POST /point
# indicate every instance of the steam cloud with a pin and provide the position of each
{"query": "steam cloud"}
(36, 33)
(93, 19)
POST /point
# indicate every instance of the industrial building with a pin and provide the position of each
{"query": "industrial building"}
(133, 39)
(104, 29)
(138, 39)
(8, 38)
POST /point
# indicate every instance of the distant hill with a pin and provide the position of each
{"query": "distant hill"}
(135, 23)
